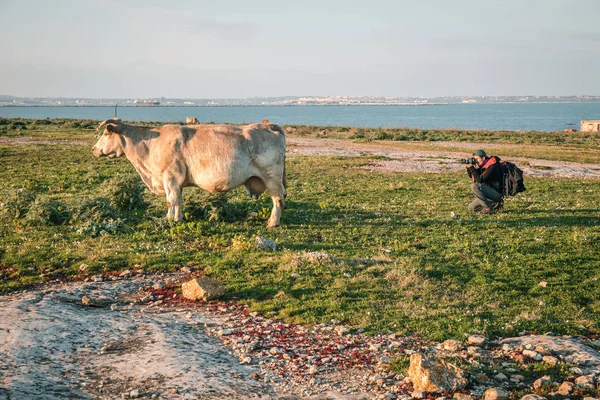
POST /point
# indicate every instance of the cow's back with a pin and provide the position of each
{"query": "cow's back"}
(219, 157)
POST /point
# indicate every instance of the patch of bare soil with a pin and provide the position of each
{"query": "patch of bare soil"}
(118, 345)
(430, 161)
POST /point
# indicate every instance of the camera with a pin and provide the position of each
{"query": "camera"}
(470, 161)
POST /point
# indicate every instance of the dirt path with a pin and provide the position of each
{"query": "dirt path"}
(437, 161)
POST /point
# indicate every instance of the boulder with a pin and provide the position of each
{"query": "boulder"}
(533, 397)
(542, 383)
(435, 376)
(496, 394)
(476, 340)
(565, 388)
(452, 345)
(202, 288)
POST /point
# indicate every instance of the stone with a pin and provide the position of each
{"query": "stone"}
(83, 267)
(435, 376)
(550, 360)
(477, 340)
(496, 394)
(341, 330)
(565, 388)
(533, 397)
(482, 378)
(585, 382)
(452, 345)
(462, 396)
(134, 394)
(202, 288)
(542, 383)
(262, 242)
(534, 355)
(418, 394)
(500, 377)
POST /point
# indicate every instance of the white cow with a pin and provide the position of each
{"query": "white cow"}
(216, 158)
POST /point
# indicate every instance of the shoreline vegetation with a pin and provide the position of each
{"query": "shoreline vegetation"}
(383, 252)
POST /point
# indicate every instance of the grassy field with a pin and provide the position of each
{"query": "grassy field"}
(384, 252)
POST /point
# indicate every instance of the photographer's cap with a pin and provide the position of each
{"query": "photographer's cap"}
(480, 153)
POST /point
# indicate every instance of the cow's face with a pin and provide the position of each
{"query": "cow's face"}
(110, 143)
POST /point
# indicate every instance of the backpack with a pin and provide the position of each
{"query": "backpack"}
(513, 179)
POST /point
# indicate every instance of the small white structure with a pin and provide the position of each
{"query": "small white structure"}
(590, 125)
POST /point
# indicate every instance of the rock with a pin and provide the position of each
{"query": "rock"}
(500, 377)
(430, 376)
(533, 397)
(462, 396)
(100, 302)
(262, 242)
(542, 383)
(83, 267)
(186, 270)
(418, 394)
(550, 360)
(585, 382)
(202, 288)
(390, 395)
(295, 276)
(534, 355)
(452, 345)
(341, 330)
(496, 394)
(134, 394)
(477, 340)
(482, 378)
(565, 388)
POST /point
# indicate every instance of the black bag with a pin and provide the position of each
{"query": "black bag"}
(513, 179)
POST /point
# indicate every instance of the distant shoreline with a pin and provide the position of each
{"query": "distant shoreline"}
(292, 105)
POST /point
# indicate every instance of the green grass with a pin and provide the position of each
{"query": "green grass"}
(391, 255)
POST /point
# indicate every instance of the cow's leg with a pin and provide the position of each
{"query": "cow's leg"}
(173, 194)
(277, 192)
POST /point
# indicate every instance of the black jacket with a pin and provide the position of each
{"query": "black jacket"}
(491, 174)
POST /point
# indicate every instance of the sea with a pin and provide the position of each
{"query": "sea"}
(498, 116)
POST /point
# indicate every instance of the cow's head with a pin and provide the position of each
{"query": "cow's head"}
(111, 143)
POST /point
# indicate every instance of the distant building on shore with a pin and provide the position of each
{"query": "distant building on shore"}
(590, 125)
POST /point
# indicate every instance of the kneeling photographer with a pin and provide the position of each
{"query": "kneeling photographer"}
(487, 176)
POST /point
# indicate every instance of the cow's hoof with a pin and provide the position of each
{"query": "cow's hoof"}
(272, 225)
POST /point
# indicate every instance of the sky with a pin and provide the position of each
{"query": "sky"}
(264, 48)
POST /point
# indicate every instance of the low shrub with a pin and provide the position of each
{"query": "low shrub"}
(96, 210)
(106, 227)
(16, 203)
(213, 207)
(48, 211)
(125, 192)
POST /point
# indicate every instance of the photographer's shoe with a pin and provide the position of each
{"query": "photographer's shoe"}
(498, 206)
(487, 210)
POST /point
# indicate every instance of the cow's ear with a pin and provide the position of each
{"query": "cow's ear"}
(112, 129)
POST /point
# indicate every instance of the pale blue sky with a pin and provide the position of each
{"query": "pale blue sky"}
(225, 49)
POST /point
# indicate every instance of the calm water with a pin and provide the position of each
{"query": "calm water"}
(529, 116)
